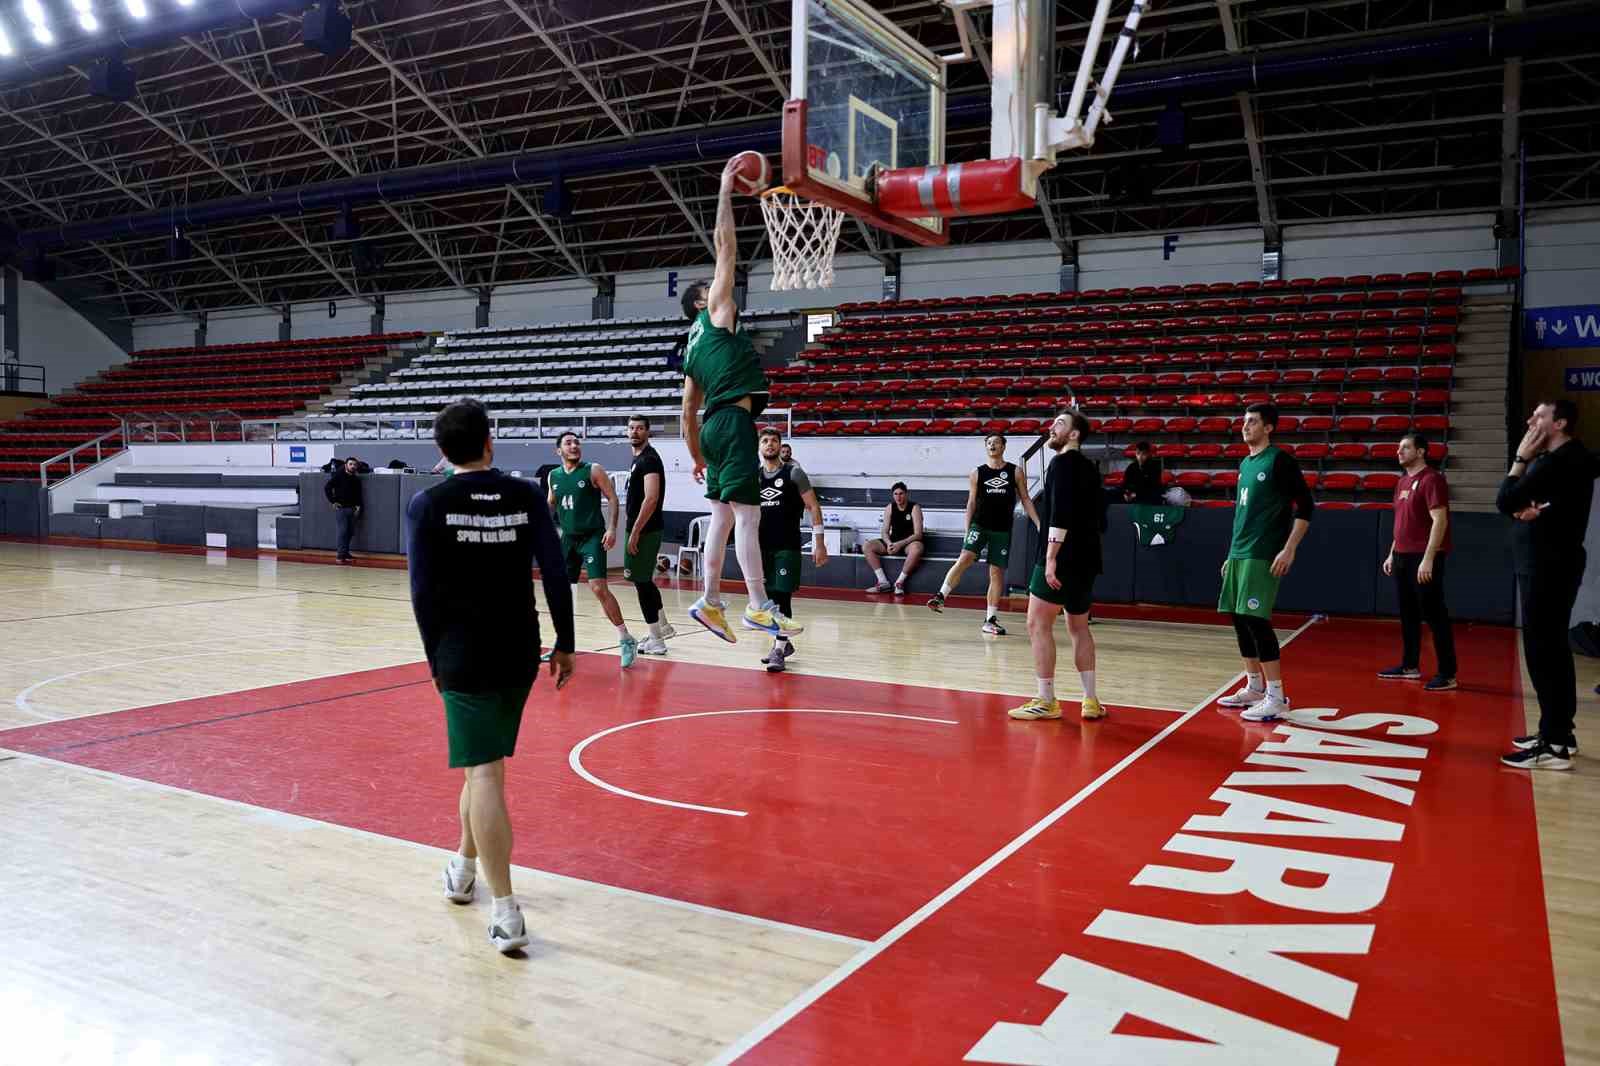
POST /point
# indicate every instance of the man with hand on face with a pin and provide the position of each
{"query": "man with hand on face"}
(1549, 489)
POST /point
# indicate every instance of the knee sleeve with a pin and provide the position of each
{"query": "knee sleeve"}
(1266, 640)
(1246, 637)
(649, 601)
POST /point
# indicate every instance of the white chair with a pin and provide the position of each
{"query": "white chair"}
(696, 546)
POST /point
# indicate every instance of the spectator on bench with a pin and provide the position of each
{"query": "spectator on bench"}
(901, 534)
(344, 492)
(1141, 481)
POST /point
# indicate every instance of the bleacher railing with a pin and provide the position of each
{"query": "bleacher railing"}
(665, 422)
(71, 455)
(167, 427)
(22, 377)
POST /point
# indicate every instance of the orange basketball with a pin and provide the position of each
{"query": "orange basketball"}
(751, 173)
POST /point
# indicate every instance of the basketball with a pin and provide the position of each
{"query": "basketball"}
(751, 173)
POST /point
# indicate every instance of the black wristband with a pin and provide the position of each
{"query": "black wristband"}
(1523, 461)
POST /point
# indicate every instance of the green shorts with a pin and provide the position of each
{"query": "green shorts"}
(640, 567)
(482, 726)
(1076, 594)
(998, 544)
(782, 569)
(728, 442)
(1248, 587)
(586, 550)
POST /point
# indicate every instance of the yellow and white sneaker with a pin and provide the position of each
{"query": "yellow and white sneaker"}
(1090, 710)
(711, 616)
(771, 620)
(1036, 710)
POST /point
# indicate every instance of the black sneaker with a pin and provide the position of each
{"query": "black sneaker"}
(1400, 673)
(936, 603)
(1541, 756)
(1440, 683)
(1532, 741)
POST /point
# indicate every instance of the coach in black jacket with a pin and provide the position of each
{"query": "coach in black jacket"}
(1549, 490)
(344, 492)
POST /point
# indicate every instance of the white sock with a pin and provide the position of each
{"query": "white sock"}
(1087, 676)
(944, 589)
(993, 609)
(655, 630)
(463, 865)
(622, 631)
(900, 582)
(1254, 683)
(505, 907)
(1047, 688)
(883, 578)
(1275, 689)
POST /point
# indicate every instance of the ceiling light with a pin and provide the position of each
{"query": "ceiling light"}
(136, 8)
(34, 11)
(86, 17)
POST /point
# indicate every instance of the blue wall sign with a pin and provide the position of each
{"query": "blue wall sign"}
(1569, 326)
(297, 453)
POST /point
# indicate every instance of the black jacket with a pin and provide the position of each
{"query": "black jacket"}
(1564, 480)
(343, 489)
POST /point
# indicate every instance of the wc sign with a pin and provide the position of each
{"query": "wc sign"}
(1569, 326)
(1583, 378)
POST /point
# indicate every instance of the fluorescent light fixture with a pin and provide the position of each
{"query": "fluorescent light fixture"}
(34, 11)
(5, 43)
(136, 8)
(86, 17)
(185, 3)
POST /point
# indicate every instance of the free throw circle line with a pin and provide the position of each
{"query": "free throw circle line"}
(575, 757)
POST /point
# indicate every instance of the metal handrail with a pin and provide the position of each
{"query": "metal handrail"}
(11, 377)
(70, 455)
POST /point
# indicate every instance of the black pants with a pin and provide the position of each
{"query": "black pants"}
(1423, 603)
(784, 602)
(1547, 598)
(649, 601)
(345, 518)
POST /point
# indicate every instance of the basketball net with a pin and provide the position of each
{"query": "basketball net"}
(803, 235)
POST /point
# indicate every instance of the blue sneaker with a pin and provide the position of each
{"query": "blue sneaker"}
(630, 648)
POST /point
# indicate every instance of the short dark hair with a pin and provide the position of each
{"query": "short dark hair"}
(1418, 441)
(770, 431)
(1079, 421)
(898, 485)
(461, 430)
(564, 434)
(1142, 447)
(641, 419)
(1566, 411)
(695, 290)
(1267, 411)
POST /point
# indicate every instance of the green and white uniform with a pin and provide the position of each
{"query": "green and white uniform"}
(579, 517)
(725, 366)
(1272, 494)
(782, 507)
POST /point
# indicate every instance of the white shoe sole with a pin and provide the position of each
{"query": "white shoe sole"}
(458, 895)
(506, 945)
(1240, 701)
(1274, 715)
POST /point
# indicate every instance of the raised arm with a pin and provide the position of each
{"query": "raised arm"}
(719, 301)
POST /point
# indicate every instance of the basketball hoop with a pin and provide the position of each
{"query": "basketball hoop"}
(803, 235)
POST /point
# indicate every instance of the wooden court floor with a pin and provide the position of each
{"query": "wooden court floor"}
(223, 786)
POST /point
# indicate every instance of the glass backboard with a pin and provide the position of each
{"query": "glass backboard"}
(865, 96)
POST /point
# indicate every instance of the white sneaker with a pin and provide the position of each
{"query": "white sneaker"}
(1245, 697)
(1268, 708)
(458, 885)
(651, 645)
(509, 933)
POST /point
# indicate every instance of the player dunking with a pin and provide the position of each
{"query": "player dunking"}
(786, 493)
(576, 489)
(721, 371)
(1068, 562)
(993, 491)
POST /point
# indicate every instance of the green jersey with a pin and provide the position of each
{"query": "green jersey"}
(725, 366)
(1272, 494)
(577, 500)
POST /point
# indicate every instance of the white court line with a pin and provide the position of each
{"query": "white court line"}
(575, 757)
(300, 821)
(937, 903)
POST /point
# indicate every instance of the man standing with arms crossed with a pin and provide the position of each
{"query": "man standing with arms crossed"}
(1270, 518)
(473, 541)
(1068, 562)
(993, 491)
(1417, 563)
(647, 486)
(786, 493)
(576, 489)
(722, 371)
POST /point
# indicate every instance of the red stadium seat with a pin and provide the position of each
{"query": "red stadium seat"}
(1225, 479)
(1311, 479)
(1336, 505)
(1194, 479)
(1345, 452)
(1309, 451)
(1340, 482)
(1205, 451)
(1380, 482)
(1391, 423)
